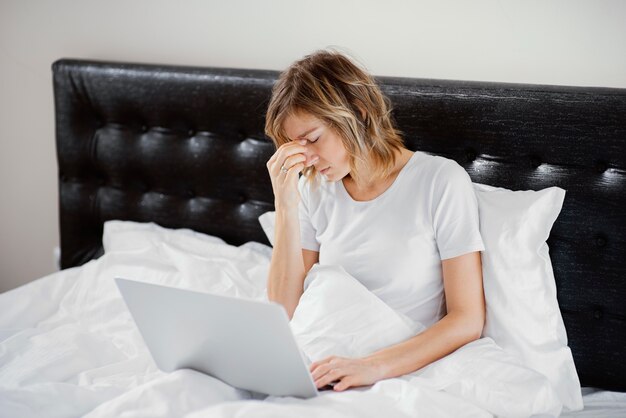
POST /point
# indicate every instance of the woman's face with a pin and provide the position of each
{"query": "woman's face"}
(322, 142)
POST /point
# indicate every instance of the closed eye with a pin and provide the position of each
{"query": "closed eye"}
(315, 140)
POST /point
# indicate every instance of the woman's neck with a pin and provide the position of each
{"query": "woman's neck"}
(402, 157)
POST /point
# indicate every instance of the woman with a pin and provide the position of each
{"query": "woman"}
(405, 224)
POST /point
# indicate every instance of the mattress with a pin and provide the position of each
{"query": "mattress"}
(69, 347)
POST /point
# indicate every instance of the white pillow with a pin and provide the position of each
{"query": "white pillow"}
(125, 236)
(523, 315)
(267, 221)
(337, 315)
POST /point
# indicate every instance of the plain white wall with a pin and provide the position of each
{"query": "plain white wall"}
(565, 42)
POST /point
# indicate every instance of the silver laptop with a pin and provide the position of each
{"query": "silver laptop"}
(245, 343)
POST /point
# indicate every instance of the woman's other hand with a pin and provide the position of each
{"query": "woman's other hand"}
(284, 166)
(349, 372)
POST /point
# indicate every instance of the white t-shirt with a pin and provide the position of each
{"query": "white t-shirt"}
(394, 243)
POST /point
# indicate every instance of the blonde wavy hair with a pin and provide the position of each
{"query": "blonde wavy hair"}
(330, 86)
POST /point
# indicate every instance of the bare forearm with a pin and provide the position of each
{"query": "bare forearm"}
(441, 339)
(286, 272)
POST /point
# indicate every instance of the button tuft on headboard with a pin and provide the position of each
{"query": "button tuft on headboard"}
(597, 314)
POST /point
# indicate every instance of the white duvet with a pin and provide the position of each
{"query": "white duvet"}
(69, 347)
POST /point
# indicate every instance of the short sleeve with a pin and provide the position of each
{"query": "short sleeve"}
(454, 212)
(307, 231)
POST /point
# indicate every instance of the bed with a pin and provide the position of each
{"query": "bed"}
(177, 154)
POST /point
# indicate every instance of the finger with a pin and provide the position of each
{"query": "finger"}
(274, 156)
(293, 159)
(296, 141)
(293, 171)
(293, 144)
(326, 368)
(322, 368)
(331, 376)
(320, 371)
(318, 363)
(276, 167)
(287, 151)
(323, 380)
(300, 141)
(344, 384)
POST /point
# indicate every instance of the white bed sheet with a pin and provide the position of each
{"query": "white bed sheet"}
(68, 346)
(601, 404)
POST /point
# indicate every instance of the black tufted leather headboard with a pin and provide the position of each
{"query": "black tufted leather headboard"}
(184, 147)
